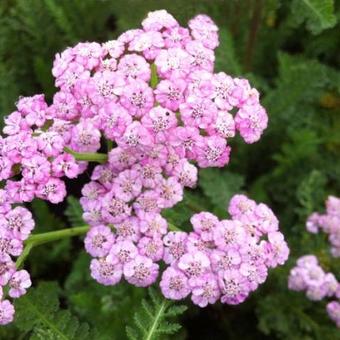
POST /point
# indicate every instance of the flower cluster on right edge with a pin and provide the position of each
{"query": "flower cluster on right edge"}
(224, 259)
(308, 275)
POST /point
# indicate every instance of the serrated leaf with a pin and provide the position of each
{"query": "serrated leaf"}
(39, 312)
(318, 14)
(111, 307)
(74, 211)
(44, 218)
(193, 201)
(310, 192)
(220, 186)
(151, 320)
(226, 56)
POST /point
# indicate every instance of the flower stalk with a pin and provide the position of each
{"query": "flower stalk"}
(87, 156)
(42, 238)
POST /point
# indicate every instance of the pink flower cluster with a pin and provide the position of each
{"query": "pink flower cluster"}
(225, 259)
(153, 95)
(329, 223)
(308, 276)
(32, 163)
(218, 260)
(153, 92)
(16, 225)
(333, 310)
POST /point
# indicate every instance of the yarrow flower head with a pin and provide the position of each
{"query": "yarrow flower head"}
(308, 275)
(221, 260)
(328, 223)
(153, 95)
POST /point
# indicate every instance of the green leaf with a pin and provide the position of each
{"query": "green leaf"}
(311, 193)
(39, 312)
(45, 220)
(151, 321)
(226, 56)
(318, 14)
(74, 211)
(59, 15)
(193, 201)
(220, 186)
(111, 307)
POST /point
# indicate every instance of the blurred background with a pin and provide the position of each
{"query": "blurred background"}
(290, 51)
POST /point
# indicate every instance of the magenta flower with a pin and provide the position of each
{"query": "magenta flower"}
(18, 222)
(36, 169)
(153, 225)
(175, 246)
(107, 271)
(212, 151)
(198, 112)
(333, 310)
(99, 241)
(137, 98)
(229, 233)
(134, 66)
(65, 165)
(206, 290)
(7, 268)
(204, 223)
(157, 20)
(234, 287)
(170, 192)
(6, 312)
(114, 209)
(194, 265)
(170, 93)
(151, 247)
(50, 143)
(151, 100)
(129, 229)
(174, 284)
(141, 271)
(53, 190)
(127, 185)
(124, 250)
(18, 283)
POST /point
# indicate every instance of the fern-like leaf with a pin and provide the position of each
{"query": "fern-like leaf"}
(318, 14)
(220, 186)
(59, 15)
(39, 313)
(74, 211)
(151, 321)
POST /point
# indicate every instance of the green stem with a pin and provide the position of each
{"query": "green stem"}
(51, 236)
(154, 76)
(173, 227)
(87, 156)
(39, 239)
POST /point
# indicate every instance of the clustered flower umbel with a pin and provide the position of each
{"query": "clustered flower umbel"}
(153, 95)
(308, 275)
(328, 223)
(224, 260)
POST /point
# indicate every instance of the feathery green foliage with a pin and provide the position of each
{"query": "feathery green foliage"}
(38, 313)
(318, 14)
(220, 186)
(153, 319)
(293, 59)
(74, 212)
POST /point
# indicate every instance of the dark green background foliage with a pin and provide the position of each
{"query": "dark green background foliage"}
(290, 52)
